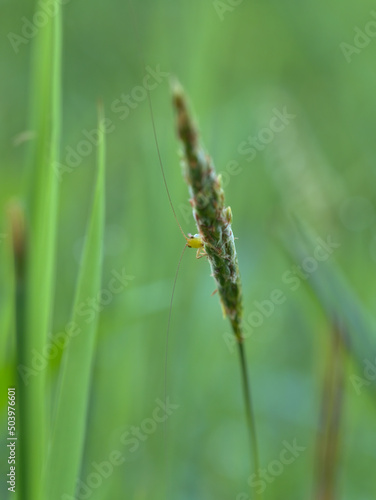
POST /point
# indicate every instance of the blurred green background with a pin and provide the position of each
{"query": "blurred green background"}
(238, 64)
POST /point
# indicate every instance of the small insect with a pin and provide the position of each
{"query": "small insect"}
(195, 241)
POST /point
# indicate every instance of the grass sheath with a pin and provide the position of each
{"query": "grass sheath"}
(213, 220)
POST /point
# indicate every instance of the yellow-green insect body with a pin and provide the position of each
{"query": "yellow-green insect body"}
(194, 241)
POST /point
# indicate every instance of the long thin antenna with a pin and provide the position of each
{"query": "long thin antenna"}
(166, 354)
(153, 124)
(161, 164)
(169, 317)
(150, 105)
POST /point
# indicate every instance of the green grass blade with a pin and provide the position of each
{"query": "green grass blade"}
(40, 256)
(69, 427)
(335, 294)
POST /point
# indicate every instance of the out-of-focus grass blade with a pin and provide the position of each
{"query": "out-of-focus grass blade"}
(329, 432)
(6, 307)
(40, 256)
(334, 293)
(72, 398)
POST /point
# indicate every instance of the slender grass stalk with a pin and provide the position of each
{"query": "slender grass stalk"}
(72, 399)
(213, 220)
(19, 250)
(35, 300)
(17, 224)
(328, 439)
(18, 231)
(7, 283)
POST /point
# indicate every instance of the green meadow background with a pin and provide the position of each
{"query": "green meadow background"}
(240, 64)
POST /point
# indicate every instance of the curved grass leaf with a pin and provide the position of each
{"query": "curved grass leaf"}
(69, 426)
(335, 294)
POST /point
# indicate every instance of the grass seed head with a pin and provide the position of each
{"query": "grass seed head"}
(212, 217)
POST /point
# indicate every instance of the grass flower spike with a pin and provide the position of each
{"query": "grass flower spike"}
(213, 221)
(212, 217)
